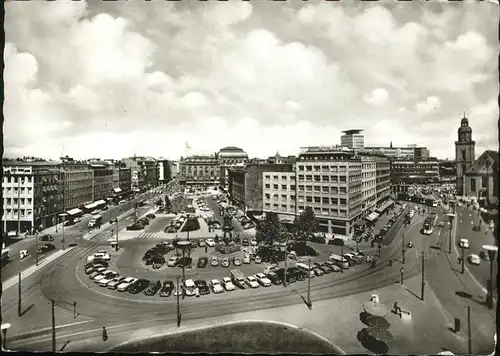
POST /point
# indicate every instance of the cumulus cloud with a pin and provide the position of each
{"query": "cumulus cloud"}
(377, 97)
(432, 103)
(144, 77)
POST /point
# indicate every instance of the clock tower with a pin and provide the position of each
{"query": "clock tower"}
(464, 152)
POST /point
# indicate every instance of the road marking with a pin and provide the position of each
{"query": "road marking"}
(49, 328)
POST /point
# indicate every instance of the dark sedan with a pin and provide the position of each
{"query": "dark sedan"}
(153, 288)
(273, 277)
(135, 227)
(297, 273)
(290, 277)
(202, 287)
(46, 238)
(167, 289)
(202, 262)
(46, 248)
(184, 262)
(138, 286)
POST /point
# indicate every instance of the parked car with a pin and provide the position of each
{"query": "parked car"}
(115, 282)
(318, 272)
(138, 286)
(246, 259)
(153, 288)
(201, 243)
(298, 274)
(464, 243)
(245, 242)
(258, 259)
(202, 287)
(252, 282)
(104, 282)
(97, 272)
(273, 277)
(263, 280)
(214, 262)
(216, 286)
(237, 262)
(125, 284)
(227, 284)
(202, 262)
(105, 275)
(172, 261)
(225, 262)
(210, 242)
(184, 262)
(166, 289)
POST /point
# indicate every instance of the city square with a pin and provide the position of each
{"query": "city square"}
(155, 234)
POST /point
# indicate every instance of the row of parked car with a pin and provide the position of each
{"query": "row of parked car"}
(202, 205)
(175, 224)
(141, 223)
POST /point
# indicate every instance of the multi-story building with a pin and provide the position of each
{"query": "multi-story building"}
(448, 171)
(278, 159)
(124, 180)
(411, 151)
(32, 194)
(103, 180)
(199, 171)
(144, 172)
(230, 157)
(164, 171)
(78, 184)
(405, 173)
(383, 177)
(174, 169)
(353, 139)
(246, 185)
(369, 182)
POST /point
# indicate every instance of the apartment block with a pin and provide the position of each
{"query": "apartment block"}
(369, 182)
(199, 171)
(32, 194)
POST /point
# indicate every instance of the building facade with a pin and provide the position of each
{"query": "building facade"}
(353, 139)
(464, 153)
(481, 179)
(199, 171)
(124, 180)
(409, 172)
(32, 195)
(369, 182)
(164, 171)
(411, 151)
(228, 158)
(448, 171)
(383, 177)
(103, 180)
(78, 185)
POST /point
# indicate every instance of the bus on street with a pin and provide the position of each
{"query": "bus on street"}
(429, 224)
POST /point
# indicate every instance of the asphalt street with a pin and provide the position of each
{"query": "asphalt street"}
(72, 234)
(65, 282)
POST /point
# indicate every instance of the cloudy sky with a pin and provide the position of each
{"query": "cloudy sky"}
(110, 79)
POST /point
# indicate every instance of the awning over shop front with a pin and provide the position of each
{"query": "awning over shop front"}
(74, 211)
(117, 190)
(100, 202)
(372, 217)
(284, 218)
(385, 206)
(89, 206)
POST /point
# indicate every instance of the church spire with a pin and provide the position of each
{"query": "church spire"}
(391, 144)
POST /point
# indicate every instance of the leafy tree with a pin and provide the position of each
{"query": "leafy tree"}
(305, 224)
(270, 230)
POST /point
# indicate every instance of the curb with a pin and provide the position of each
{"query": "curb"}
(33, 269)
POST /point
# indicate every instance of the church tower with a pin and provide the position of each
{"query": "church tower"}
(464, 152)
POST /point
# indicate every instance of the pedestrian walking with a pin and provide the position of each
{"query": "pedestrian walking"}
(104, 334)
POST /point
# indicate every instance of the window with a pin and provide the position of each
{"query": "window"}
(342, 169)
(308, 178)
(317, 178)
(308, 188)
(275, 197)
(301, 188)
(317, 199)
(342, 190)
(472, 185)
(29, 212)
(317, 168)
(301, 178)
(343, 201)
(283, 177)
(334, 212)
(267, 177)
(326, 178)
(325, 211)
(462, 151)
(268, 196)
(301, 168)
(334, 201)
(317, 189)
(284, 206)
(267, 205)
(334, 179)
(275, 177)
(342, 179)
(275, 206)
(325, 200)
(324, 168)
(284, 196)
(276, 186)
(292, 187)
(268, 186)
(309, 168)
(292, 197)
(283, 186)
(309, 199)
(316, 210)
(326, 189)
(334, 190)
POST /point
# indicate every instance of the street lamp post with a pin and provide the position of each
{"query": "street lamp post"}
(63, 241)
(403, 247)
(309, 304)
(492, 251)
